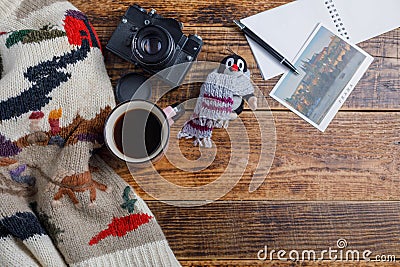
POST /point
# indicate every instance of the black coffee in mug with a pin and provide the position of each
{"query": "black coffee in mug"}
(137, 133)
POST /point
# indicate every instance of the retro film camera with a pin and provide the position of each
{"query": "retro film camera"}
(155, 43)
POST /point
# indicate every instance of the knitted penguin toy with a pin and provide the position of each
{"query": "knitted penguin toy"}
(236, 65)
(60, 204)
(215, 105)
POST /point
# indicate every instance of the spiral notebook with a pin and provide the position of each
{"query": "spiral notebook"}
(287, 27)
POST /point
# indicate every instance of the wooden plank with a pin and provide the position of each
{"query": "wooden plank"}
(377, 90)
(217, 39)
(355, 159)
(191, 12)
(237, 230)
(276, 263)
(210, 22)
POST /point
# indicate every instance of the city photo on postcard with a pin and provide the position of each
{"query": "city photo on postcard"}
(329, 67)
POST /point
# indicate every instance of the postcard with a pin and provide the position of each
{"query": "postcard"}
(329, 67)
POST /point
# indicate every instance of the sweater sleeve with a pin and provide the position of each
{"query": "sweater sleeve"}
(55, 95)
(19, 14)
(63, 94)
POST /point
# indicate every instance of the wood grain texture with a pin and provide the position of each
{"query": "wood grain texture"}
(276, 263)
(192, 12)
(290, 225)
(355, 159)
(377, 90)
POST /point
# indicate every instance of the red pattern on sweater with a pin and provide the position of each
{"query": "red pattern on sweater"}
(73, 28)
(121, 226)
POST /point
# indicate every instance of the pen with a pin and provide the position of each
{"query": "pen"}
(267, 47)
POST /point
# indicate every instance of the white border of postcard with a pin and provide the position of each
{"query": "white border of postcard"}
(284, 84)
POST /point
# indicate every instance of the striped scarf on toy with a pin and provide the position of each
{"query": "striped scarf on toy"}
(213, 107)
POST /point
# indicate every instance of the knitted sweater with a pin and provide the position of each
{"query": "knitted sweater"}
(59, 204)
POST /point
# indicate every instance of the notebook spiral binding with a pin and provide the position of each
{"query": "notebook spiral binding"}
(330, 5)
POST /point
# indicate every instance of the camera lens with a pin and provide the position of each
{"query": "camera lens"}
(151, 45)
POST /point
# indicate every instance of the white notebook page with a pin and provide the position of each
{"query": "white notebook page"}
(365, 19)
(287, 27)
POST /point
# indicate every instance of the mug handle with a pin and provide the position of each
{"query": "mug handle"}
(169, 112)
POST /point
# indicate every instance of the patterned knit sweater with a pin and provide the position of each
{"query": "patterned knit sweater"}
(58, 204)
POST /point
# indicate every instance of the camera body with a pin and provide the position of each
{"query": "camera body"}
(155, 43)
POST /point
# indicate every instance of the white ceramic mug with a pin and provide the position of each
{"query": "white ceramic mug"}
(127, 114)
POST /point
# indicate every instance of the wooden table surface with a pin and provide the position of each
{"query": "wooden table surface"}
(322, 187)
